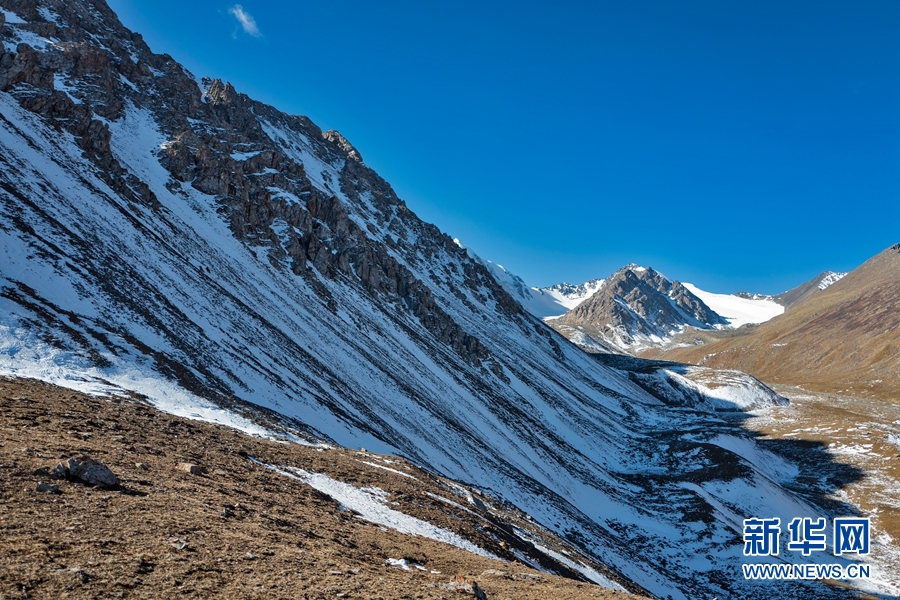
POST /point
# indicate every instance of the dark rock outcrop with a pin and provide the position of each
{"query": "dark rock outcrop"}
(220, 142)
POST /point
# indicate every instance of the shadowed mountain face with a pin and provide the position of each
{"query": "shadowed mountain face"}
(842, 338)
(637, 307)
(186, 242)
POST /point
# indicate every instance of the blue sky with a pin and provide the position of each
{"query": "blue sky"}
(738, 146)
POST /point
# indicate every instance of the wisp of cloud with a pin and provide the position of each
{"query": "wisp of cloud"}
(246, 21)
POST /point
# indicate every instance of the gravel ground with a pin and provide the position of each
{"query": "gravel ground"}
(237, 529)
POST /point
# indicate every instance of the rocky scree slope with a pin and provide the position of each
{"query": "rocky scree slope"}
(177, 239)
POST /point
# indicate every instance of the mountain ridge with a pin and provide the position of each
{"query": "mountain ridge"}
(848, 333)
(203, 249)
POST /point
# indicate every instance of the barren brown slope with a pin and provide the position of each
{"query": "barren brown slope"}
(847, 338)
(802, 292)
(238, 530)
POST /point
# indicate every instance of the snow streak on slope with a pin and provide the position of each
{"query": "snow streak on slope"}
(543, 303)
(739, 311)
(22, 354)
(270, 293)
(830, 279)
(371, 505)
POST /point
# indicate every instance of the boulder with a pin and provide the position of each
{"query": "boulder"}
(191, 468)
(90, 471)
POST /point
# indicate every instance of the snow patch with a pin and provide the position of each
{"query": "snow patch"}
(242, 156)
(582, 568)
(738, 311)
(12, 18)
(370, 504)
(830, 279)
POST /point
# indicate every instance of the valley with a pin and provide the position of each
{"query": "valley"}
(305, 388)
(862, 434)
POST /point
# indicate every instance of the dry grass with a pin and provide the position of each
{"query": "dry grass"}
(844, 340)
(239, 531)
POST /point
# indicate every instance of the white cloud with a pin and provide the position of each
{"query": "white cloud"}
(246, 21)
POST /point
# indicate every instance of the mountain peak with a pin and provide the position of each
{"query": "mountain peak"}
(336, 138)
(638, 307)
(205, 251)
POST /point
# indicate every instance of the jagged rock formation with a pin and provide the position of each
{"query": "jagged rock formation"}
(187, 243)
(636, 307)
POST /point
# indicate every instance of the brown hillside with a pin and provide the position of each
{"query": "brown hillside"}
(235, 529)
(801, 293)
(845, 338)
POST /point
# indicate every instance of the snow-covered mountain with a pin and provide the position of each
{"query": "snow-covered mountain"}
(635, 308)
(627, 326)
(569, 295)
(544, 303)
(190, 244)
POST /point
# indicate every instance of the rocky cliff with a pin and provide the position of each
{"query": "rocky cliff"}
(171, 238)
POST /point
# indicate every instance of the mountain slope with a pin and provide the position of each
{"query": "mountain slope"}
(809, 289)
(845, 337)
(240, 529)
(188, 243)
(543, 303)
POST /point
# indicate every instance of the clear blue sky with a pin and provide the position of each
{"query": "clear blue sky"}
(738, 146)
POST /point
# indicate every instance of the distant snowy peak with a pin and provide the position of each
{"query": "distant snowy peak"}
(544, 303)
(830, 279)
(636, 308)
(739, 309)
(690, 305)
(570, 295)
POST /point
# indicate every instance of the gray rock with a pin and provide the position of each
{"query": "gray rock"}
(90, 471)
(51, 488)
(191, 468)
(466, 586)
(495, 573)
(178, 544)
